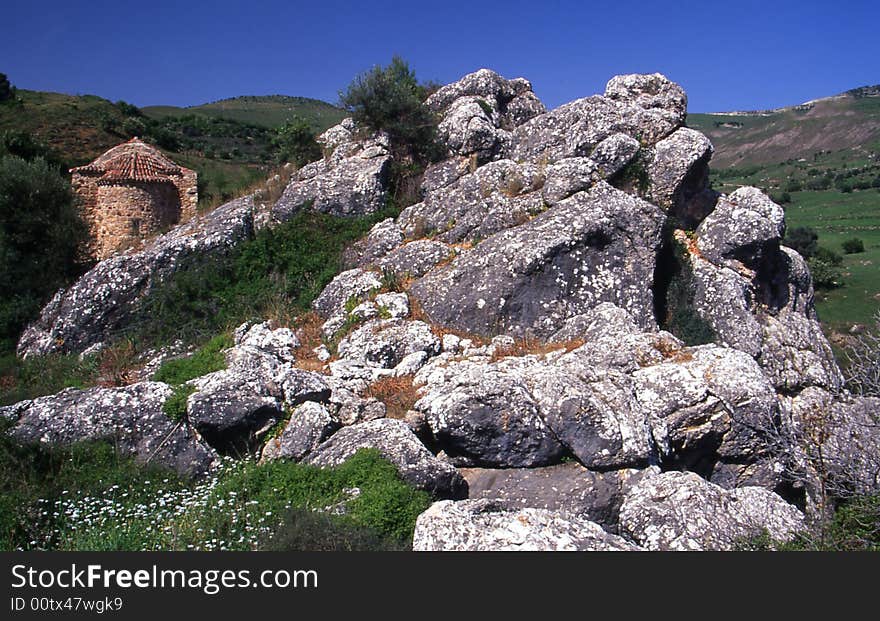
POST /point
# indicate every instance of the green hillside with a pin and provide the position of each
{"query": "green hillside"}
(848, 122)
(231, 144)
(267, 111)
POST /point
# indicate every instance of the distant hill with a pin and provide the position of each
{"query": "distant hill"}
(268, 111)
(848, 122)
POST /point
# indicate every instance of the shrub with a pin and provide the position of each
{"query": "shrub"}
(853, 246)
(389, 99)
(7, 91)
(295, 142)
(803, 239)
(41, 237)
(826, 275)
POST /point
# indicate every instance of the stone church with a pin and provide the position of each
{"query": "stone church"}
(131, 192)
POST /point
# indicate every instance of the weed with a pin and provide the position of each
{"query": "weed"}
(206, 359)
(397, 393)
(175, 405)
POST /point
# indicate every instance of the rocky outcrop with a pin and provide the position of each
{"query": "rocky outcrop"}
(681, 511)
(482, 525)
(309, 425)
(596, 246)
(131, 417)
(231, 407)
(97, 306)
(524, 294)
(351, 181)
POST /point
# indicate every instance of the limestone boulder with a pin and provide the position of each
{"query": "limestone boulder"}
(681, 511)
(394, 440)
(596, 246)
(483, 525)
(131, 418)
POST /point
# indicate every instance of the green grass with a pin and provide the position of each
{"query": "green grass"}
(88, 497)
(268, 111)
(43, 375)
(206, 359)
(275, 275)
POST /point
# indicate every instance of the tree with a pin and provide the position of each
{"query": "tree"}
(41, 237)
(7, 91)
(389, 99)
(296, 142)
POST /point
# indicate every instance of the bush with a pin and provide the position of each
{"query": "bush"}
(803, 239)
(825, 275)
(29, 378)
(389, 99)
(41, 238)
(296, 143)
(853, 246)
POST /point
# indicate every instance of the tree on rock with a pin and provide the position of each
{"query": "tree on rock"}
(390, 99)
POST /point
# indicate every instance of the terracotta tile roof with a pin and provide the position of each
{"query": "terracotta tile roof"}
(134, 160)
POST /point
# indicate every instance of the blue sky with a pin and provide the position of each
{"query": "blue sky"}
(727, 55)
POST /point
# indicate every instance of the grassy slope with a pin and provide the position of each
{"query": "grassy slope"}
(833, 124)
(72, 125)
(268, 111)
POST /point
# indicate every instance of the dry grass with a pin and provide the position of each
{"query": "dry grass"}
(399, 394)
(533, 346)
(308, 331)
(117, 365)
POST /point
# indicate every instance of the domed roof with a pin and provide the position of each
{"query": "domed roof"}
(134, 160)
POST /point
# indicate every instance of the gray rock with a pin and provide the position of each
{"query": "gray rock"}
(613, 154)
(576, 128)
(567, 176)
(467, 127)
(494, 197)
(484, 415)
(416, 258)
(571, 488)
(679, 172)
(382, 239)
(707, 400)
(386, 342)
(650, 91)
(398, 445)
(99, 304)
(758, 297)
(310, 424)
(355, 284)
(841, 429)
(594, 413)
(231, 407)
(353, 182)
(483, 525)
(483, 83)
(744, 226)
(612, 340)
(522, 108)
(681, 511)
(597, 246)
(444, 173)
(130, 417)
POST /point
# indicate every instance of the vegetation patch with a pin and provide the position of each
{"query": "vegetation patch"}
(88, 497)
(206, 359)
(397, 393)
(674, 289)
(276, 274)
(175, 405)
